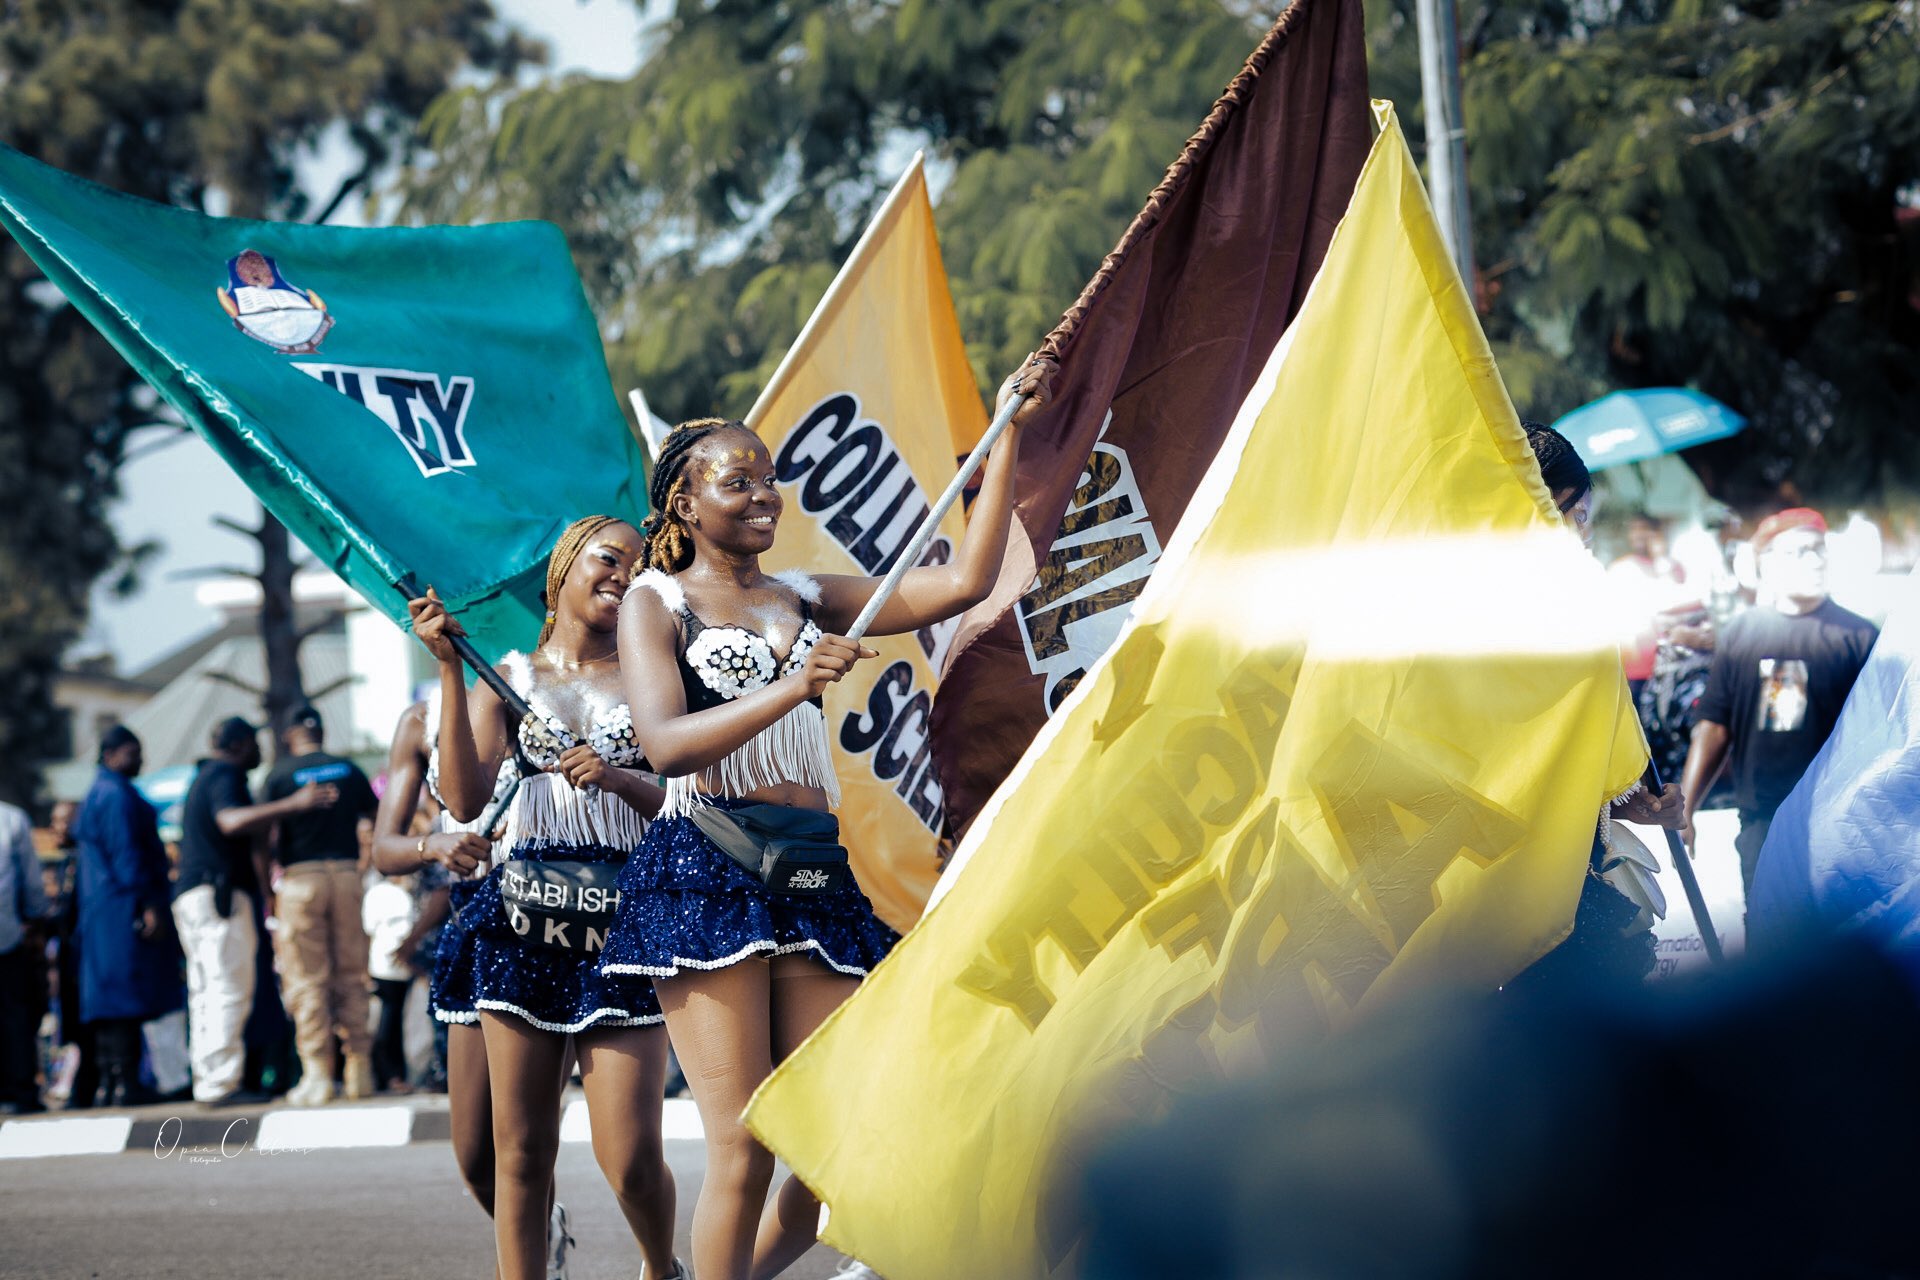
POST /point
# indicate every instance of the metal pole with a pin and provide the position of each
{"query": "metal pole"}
(504, 691)
(1446, 130)
(1683, 865)
(931, 525)
(471, 656)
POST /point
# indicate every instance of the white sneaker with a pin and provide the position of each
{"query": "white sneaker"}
(681, 1271)
(559, 1241)
(855, 1270)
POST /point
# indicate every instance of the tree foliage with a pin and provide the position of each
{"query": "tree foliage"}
(1718, 195)
(209, 104)
(1665, 191)
(711, 196)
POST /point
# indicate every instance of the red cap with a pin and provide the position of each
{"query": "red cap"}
(1792, 518)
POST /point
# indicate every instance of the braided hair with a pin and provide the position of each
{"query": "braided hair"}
(669, 544)
(565, 551)
(1561, 467)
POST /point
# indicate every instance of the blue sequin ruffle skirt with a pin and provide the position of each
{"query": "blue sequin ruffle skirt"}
(684, 904)
(450, 992)
(548, 987)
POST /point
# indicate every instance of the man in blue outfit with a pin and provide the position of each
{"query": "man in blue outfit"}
(129, 963)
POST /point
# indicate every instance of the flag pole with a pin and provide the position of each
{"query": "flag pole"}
(643, 418)
(931, 525)
(1683, 866)
(1446, 131)
(406, 586)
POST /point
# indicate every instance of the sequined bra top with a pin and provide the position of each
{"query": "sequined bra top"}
(542, 741)
(721, 663)
(549, 811)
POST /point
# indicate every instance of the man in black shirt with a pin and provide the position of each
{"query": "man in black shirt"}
(1779, 677)
(221, 872)
(323, 944)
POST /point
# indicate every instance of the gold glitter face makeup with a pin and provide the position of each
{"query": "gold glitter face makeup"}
(744, 455)
(610, 549)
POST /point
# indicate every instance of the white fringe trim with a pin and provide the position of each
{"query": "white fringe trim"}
(599, 1017)
(793, 749)
(550, 810)
(800, 582)
(456, 1017)
(501, 780)
(760, 946)
(519, 673)
(663, 586)
(1606, 814)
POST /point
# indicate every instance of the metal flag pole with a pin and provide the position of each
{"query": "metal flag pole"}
(498, 809)
(1683, 865)
(406, 586)
(504, 691)
(1446, 132)
(931, 525)
(643, 416)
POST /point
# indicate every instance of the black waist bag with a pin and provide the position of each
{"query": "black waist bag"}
(791, 850)
(568, 905)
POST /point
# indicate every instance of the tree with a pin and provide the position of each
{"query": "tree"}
(1723, 196)
(209, 106)
(1665, 191)
(711, 196)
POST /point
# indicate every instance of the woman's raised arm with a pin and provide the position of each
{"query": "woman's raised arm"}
(934, 593)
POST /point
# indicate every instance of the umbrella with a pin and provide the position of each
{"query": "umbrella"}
(1630, 425)
(166, 790)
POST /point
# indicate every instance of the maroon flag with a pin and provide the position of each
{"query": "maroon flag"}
(1155, 359)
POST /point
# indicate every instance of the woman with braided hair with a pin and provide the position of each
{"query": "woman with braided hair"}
(724, 667)
(575, 818)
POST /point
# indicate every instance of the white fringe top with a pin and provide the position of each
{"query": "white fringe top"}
(721, 663)
(549, 810)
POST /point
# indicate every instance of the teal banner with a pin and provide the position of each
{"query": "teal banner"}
(426, 400)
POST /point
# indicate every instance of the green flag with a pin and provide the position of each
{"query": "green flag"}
(430, 400)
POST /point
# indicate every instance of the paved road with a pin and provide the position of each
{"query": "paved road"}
(396, 1213)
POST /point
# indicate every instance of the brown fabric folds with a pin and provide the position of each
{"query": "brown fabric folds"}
(1167, 339)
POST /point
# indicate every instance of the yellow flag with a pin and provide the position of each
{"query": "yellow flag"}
(1354, 740)
(867, 416)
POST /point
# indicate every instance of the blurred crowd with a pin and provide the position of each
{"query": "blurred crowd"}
(213, 965)
(259, 952)
(1739, 655)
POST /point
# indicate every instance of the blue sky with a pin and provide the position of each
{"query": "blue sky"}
(171, 493)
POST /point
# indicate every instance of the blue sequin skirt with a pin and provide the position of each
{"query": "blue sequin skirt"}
(684, 904)
(551, 988)
(451, 989)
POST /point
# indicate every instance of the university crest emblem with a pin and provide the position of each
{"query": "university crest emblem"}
(265, 306)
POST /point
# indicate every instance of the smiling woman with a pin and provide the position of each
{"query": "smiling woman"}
(533, 926)
(739, 902)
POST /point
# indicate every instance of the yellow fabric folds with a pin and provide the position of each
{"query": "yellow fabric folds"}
(867, 417)
(1352, 743)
